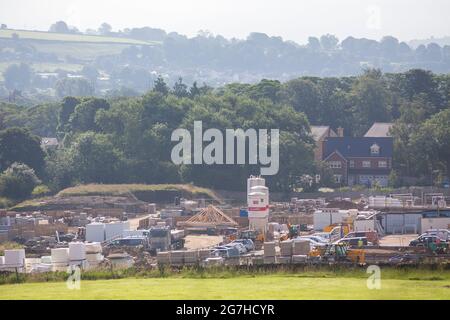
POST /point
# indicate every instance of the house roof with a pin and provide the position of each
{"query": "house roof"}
(358, 147)
(45, 142)
(210, 217)
(379, 129)
(320, 132)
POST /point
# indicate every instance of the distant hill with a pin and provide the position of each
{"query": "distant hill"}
(444, 41)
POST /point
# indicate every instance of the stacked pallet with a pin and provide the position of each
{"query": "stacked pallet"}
(299, 258)
(191, 257)
(284, 259)
(203, 254)
(234, 261)
(258, 261)
(286, 248)
(285, 251)
(269, 253)
(163, 257)
(300, 247)
(177, 257)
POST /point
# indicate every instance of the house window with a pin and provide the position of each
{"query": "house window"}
(338, 178)
(366, 164)
(382, 164)
(375, 149)
(335, 164)
(352, 163)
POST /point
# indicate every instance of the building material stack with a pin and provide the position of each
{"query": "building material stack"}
(300, 251)
(60, 259)
(191, 257)
(286, 248)
(177, 257)
(77, 254)
(203, 254)
(163, 258)
(94, 254)
(15, 260)
(269, 253)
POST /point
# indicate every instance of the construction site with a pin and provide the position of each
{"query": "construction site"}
(396, 229)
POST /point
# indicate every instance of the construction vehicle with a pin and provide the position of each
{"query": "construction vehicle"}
(256, 236)
(338, 252)
(294, 231)
(344, 228)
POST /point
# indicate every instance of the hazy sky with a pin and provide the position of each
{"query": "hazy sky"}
(291, 19)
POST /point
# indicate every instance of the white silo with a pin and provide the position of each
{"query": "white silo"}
(255, 181)
(258, 203)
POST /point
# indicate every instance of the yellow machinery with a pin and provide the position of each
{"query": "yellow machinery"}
(338, 253)
(345, 227)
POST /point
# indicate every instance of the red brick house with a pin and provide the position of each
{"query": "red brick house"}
(362, 160)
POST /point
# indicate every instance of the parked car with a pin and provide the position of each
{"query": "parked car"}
(324, 235)
(312, 242)
(443, 234)
(424, 240)
(238, 246)
(372, 236)
(225, 252)
(247, 243)
(315, 238)
(354, 242)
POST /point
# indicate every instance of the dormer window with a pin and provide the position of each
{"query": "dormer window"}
(375, 149)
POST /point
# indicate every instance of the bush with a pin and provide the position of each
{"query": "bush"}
(40, 191)
(5, 203)
(18, 181)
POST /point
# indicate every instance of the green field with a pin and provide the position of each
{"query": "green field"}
(80, 46)
(51, 36)
(242, 287)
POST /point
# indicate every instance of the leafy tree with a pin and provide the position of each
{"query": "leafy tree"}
(17, 76)
(105, 29)
(180, 89)
(432, 141)
(91, 73)
(194, 90)
(18, 145)
(18, 181)
(329, 42)
(160, 86)
(73, 87)
(94, 159)
(59, 27)
(83, 117)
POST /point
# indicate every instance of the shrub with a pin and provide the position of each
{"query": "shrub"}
(18, 181)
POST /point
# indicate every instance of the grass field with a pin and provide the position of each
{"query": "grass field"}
(124, 189)
(51, 36)
(145, 192)
(83, 47)
(242, 287)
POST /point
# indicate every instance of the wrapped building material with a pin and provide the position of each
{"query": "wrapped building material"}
(270, 260)
(301, 247)
(15, 258)
(163, 257)
(204, 253)
(286, 248)
(299, 258)
(177, 257)
(284, 259)
(269, 249)
(191, 257)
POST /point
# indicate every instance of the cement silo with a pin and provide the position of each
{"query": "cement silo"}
(258, 203)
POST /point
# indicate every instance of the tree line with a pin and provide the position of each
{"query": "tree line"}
(127, 139)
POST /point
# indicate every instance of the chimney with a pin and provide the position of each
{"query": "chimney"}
(340, 132)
